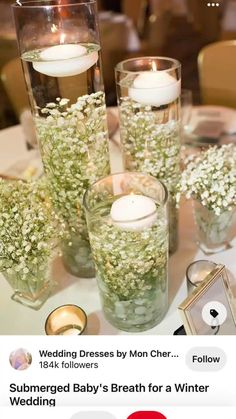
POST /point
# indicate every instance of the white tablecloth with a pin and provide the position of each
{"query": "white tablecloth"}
(17, 319)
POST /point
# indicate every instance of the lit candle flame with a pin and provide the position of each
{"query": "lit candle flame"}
(154, 66)
(54, 28)
(62, 38)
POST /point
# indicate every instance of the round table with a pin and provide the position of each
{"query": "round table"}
(19, 320)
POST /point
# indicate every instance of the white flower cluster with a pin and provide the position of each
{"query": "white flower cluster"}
(210, 178)
(74, 148)
(150, 146)
(27, 228)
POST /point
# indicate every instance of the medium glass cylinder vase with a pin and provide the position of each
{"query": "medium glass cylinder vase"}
(128, 231)
(148, 92)
(60, 53)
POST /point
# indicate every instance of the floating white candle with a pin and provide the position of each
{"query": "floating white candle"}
(65, 60)
(154, 88)
(133, 212)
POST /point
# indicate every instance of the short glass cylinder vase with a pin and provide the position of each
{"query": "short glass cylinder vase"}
(214, 232)
(62, 68)
(148, 90)
(28, 240)
(32, 289)
(128, 230)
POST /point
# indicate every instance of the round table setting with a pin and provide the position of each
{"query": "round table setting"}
(75, 205)
(17, 319)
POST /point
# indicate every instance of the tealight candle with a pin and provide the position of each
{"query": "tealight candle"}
(66, 320)
(134, 212)
(197, 271)
(65, 60)
(154, 88)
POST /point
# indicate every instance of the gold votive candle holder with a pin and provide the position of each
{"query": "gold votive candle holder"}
(66, 320)
(197, 271)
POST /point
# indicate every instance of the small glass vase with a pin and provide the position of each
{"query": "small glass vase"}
(214, 232)
(34, 289)
(62, 69)
(148, 90)
(131, 257)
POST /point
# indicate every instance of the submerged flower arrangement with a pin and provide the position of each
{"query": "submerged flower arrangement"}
(131, 272)
(28, 236)
(152, 146)
(74, 149)
(210, 178)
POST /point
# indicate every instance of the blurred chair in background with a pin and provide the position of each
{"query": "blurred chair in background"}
(14, 84)
(228, 24)
(217, 72)
(8, 50)
(13, 81)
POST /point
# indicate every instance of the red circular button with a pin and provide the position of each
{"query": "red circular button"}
(147, 415)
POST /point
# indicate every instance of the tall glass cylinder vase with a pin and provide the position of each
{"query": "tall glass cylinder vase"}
(60, 53)
(148, 92)
(127, 223)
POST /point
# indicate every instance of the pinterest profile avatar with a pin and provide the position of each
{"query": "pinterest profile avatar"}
(20, 359)
(147, 415)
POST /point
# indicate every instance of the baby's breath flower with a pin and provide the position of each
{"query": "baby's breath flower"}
(34, 225)
(210, 178)
(72, 161)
